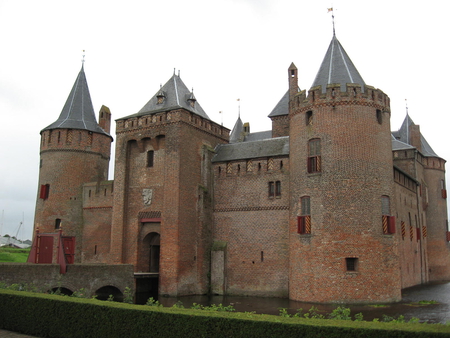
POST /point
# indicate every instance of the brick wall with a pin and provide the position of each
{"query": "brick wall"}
(67, 162)
(253, 226)
(356, 171)
(437, 221)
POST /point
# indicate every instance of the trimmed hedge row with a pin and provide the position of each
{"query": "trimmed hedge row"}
(55, 316)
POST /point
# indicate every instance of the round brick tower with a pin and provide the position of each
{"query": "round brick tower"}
(342, 198)
(74, 150)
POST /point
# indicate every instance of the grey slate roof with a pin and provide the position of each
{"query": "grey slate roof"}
(399, 145)
(237, 131)
(282, 107)
(278, 146)
(337, 68)
(176, 95)
(78, 112)
(258, 136)
(403, 135)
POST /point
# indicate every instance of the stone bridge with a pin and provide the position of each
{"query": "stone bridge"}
(96, 279)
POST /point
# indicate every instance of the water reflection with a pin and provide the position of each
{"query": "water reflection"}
(432, 313)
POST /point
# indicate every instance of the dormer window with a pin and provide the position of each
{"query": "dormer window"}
(160, 96)
(192, 99)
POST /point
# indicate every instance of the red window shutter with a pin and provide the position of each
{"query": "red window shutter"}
(444, 193)
(448, 236)
(391, 224)
(301, 224)
(304, 224)
(44, 191)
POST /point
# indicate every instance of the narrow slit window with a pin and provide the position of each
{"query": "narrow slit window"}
(271, 189)
(150, 158)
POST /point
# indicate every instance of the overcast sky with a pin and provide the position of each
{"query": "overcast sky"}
(224, 49)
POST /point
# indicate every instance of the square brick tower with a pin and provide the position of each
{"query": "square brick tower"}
(162, 189)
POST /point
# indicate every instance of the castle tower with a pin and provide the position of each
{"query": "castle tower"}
(342, 199)
(418, 159)
(74, 150)
(163, 189)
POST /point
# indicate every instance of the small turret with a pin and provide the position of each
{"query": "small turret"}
(104, 119)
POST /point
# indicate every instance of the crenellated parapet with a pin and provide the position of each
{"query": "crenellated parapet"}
(355, 94)
(160, 119)
(75, 140)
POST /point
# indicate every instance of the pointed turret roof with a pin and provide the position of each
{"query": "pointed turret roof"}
(78, 112)
(236, 133)
(337, 67)
(173, 95)
(403, 135)
(282, 107)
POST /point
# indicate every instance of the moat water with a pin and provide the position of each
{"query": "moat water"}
(431, 313)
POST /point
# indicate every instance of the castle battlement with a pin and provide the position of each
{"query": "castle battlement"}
(166, 117)
(354, 95)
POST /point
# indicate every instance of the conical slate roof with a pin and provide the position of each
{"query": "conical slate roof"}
(236, 133)
(337, 68)
(78, 112)
(173, 95)
(282, 107)
(403, 135)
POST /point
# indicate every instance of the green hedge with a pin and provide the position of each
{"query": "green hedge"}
(56, 316)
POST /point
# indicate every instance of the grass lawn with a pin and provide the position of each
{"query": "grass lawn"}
(13, 255)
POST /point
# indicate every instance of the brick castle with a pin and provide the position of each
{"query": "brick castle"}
(328, 206)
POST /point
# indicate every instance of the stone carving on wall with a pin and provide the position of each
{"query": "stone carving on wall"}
(147, 195)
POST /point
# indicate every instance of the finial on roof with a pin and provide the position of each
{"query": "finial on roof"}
(332, 18)
(82, 61)
(178, 73)
(406, 102)
(174, 71)
(239, 107)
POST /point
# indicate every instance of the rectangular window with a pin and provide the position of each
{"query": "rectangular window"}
(271, 189)
(304, 221)
(351, 264)
(314, 159)
(388, 221)
(150, 158)
(278, 188)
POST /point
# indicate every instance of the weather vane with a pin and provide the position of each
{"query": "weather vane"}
(332, 17)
